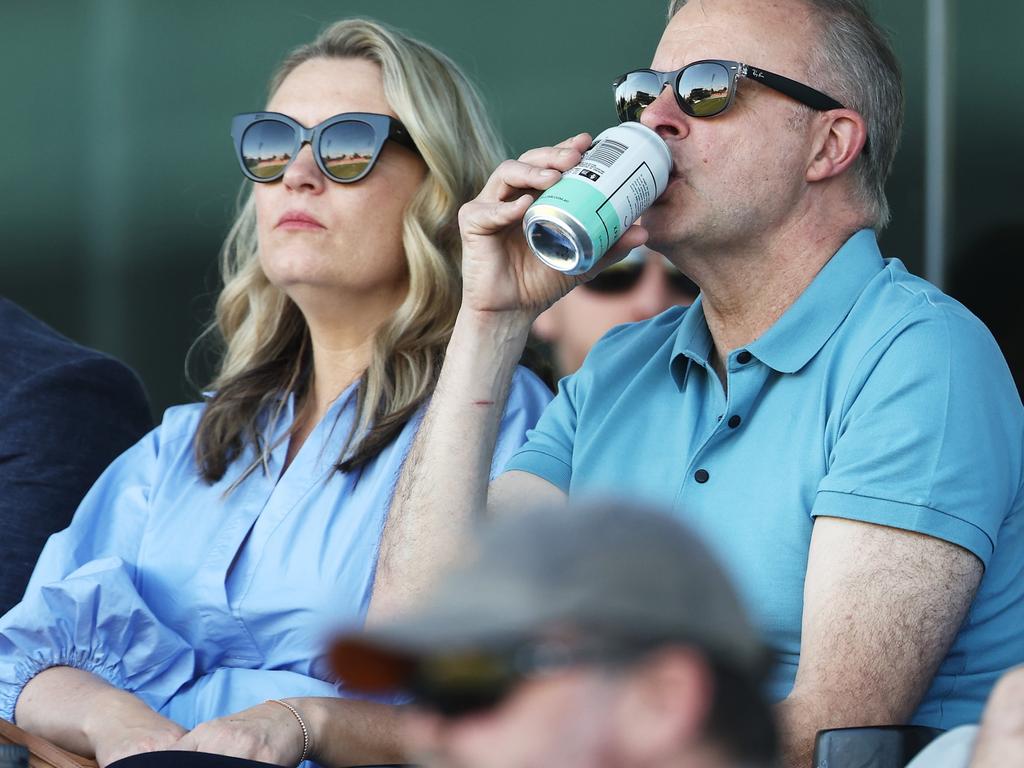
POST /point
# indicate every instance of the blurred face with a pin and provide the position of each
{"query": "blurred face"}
(320, 240)
(584, 315)
(741, 174)
(562, 719)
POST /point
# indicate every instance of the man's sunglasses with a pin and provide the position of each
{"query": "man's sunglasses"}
(706, 88)
(623, 276)
(345, 146)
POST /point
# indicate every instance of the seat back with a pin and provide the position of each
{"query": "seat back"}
(875, 746)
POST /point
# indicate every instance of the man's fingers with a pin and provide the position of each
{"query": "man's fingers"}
(513, 176)
(486, 218)
(635, 236)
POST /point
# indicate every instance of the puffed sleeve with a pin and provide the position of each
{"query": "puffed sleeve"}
(82, 608)
(527, 398)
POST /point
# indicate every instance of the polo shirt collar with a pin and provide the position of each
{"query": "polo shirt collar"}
(804, 328)
(810, 321)
(693, 343)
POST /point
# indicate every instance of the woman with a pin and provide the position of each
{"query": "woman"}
(202, 573)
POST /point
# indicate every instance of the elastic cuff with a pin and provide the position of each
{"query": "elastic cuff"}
(28, 667)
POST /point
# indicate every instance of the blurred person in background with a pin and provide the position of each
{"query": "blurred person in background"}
(603, 636)
(66, 412)
(997, 741)
(847, 438)
(187, 605)
(640, 286)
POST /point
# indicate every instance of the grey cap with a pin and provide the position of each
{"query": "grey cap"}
(613, 571)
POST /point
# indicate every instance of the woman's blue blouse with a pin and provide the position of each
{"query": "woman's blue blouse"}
(203, 602)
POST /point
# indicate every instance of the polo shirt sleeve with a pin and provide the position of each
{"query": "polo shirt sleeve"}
(548, 449)
(929, 435)
(527, 398)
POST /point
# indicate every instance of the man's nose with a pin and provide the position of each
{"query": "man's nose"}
(664, 116)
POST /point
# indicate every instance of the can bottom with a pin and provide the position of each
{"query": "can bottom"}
(554, 244)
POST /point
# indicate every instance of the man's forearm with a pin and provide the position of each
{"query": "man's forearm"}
(444, 479)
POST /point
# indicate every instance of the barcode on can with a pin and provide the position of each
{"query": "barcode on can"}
(606, 152)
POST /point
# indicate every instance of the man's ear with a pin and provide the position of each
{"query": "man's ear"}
(665, 706)
(839, 139)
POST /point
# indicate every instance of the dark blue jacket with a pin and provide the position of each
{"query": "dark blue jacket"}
(66, 412)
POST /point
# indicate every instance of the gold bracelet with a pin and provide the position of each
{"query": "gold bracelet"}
(302, 725)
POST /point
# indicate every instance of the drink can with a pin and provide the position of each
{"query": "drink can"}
(576, 221)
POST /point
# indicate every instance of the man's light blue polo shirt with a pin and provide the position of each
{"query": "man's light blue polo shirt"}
(875, 397)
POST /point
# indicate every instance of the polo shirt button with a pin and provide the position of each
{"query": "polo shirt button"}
(743, 357)
(734, 421)
(701, 476)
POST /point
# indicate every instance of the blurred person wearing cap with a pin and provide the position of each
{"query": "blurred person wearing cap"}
(640, 286)
(847, 438)
(602, 635)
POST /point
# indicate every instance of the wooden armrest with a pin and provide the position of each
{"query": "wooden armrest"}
(42, 753)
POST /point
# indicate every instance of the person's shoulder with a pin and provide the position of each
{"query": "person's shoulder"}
(898, 305)
(33, 351)
(177, 428)
(901, 298)
(630, 342)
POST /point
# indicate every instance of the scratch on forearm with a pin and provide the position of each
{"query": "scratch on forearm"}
(483, 402)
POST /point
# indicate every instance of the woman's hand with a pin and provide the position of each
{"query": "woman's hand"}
(140, 731)
(267, 732)
(500, 273)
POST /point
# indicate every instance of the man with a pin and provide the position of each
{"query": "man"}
(65, 413)
(640, 286)
(847, 438)
(598, 637)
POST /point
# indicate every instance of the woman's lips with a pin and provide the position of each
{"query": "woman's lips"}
(298, 220)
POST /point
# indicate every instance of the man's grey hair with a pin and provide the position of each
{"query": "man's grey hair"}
(853, 62)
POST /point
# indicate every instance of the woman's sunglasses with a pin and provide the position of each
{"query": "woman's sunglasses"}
(706, 88)
(624, 275)
(345, 146)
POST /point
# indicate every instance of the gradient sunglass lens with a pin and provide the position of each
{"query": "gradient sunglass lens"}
(703, 89)
(346, 149)
(618, 278)
(267, 148)
(636, 91)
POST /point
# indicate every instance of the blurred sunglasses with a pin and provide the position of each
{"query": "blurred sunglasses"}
(345, 146)
(706, 88)
(459, 684)
(623, 276)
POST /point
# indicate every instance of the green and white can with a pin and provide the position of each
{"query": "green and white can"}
(573, 224)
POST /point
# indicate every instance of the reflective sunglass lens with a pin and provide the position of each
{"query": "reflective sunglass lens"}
(346, 149)
(703, 89)
(634, 94)
(267, 148)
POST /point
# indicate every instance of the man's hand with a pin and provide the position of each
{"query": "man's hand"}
(267, 732)
(500, 273)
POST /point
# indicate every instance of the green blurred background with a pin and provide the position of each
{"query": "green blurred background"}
(120, 182)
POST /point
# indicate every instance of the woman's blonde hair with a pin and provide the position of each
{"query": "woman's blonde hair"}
(266, 348)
